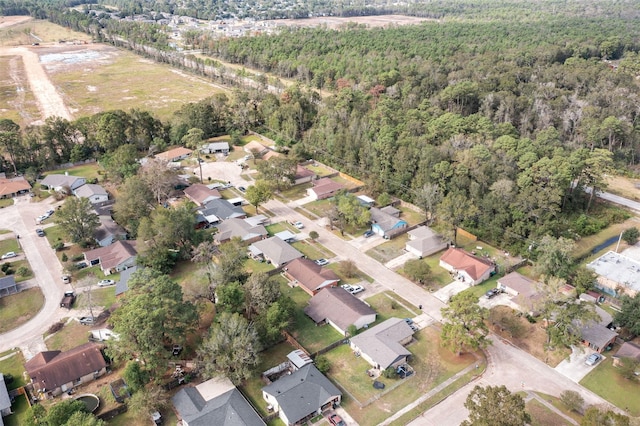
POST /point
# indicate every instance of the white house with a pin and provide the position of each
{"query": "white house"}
(95, 193)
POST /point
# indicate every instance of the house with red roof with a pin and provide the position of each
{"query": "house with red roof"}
(113, 258)
(175, 154)
(324, 188)
(467, 267)
(14, 186)
(201, 194)
(309, 276)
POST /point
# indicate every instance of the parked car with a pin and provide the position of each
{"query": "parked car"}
(355, 289)
(87, 320)
(9, 255)
(593, 359)
(41, 218)
(82, 265)
(156, 417)
(298, 225)
(176, 350)
(368, 234)
(67, 300)
(66, 279)
(39, 232)
(105, 283)
(49, 212)
(347, 287)
(492, 293)
(322, 262)
(242, 189)
(336, 420)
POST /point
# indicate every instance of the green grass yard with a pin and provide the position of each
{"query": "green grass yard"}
(9, 245)
(19, 308)
(388, 304)
(604, 380)
(14, 365)
(543, 416)
(73, 334)
(89, 171)
(389, 250)
(19, 408)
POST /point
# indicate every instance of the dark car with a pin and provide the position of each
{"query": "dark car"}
(40, 232)
(242, 188)
(492, 293)
(336, 420)
(368, 233)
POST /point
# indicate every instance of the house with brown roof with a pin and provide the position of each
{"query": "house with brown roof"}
(54, 372)
(13, 187)
(423, 242)
(240, 228)
(113, 258)
(270, 154)
(175, 154)
(627, 350)
(466, 267)
(303, 175)
(324, 188)
(522, 289)
(255, 147)
(310, 277)
(340, 309)
(383, 346)
(201, 194)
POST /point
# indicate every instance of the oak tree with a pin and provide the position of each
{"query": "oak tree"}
(77, 219)
(495, 406)
(465, 328)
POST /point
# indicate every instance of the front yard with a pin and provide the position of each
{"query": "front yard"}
(72, 335)
(388, 304)
(389, 250)
(16, 309)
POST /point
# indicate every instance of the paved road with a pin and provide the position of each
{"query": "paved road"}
(21, 219)
(616, 199)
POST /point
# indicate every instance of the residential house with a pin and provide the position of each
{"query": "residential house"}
(303, 175)
(269, 154)
(627, 350)
(255, 147)
(13, 187)
(423, 242)
(523, 291)
(95, 193)
(274, 250)
(324, 188)
(301, 395)
(617, 274)
(60, 183)
(116, 257)
(54, 372)
(597, 334)
(310, 277)
(215, 211)
(201, 194)
(175, 154)
(8, 285)
(340, 309)
(108, 232)
(5, 400)
(214, 402)
(216, 148)
(386, 221)
(366, 201)
(232, 228)
(122, 285)
(466, 267)
(382, 346)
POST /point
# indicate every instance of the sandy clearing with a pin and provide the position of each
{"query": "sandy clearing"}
(337, 22)
(49, 100)
(8, 21)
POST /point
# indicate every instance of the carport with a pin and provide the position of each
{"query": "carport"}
(8, 286)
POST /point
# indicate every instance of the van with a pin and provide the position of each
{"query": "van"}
(67, 300)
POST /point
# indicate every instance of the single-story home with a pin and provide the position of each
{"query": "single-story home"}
(5, 401)
(270, 154)
(423, 242)
(382, 346)
(13, 187)
(215, 211)
(366, 201)
(95, 193)
(303, 175)
(324, 188)
(108, 232)
(116, 257)
(466, 267)
(597, 334)
(214, 402)
(8, 285)
(617, 274)
(523, 290)
(255, 147)
(201, 194)
(175, 154)
(386, 221)
(274, 250)
(240, 228)
(59, 183)
(54, 372)
(340, 309)
(301, 395)
(627, 350)
(216, 148)
(309, 276)
(122, 285)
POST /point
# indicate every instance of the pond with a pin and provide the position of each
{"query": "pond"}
(90, 400)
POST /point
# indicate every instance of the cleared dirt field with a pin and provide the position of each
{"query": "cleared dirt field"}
(336, 22)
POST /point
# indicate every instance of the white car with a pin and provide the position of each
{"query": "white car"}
(9, 255)
(298, 225)
(321, 262)
(105, 283)
(41, 218)
(355, 289)
(49, 212)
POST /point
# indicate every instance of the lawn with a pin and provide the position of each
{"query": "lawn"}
(252, 265)
(9, 245)
(319, 169)
(17, 265)
(6, 202)
(14, 365)
(556, 402)
(410, 216)
(19, 308)
(440, 277)
(313, 251)
(295, 192)
(604, 380)
(390, 249)
(357, 276)
(73, 334)
(274, 228)
(89, 171)
(320, 208)
(129, 418)
(103, 297)
(16, 105)
(480, 289)
(19, 408)
(388, 304)
(543, 416)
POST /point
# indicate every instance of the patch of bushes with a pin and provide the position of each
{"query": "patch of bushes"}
(55, 327)
(58, 246)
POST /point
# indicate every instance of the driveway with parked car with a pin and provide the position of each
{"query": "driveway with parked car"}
(581, 361)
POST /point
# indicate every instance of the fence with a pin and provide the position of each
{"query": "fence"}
(467, 234)
(293, 342)
(69, 165)
(329, 347)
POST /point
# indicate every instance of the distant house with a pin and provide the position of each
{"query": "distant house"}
(109, 231)
(617, 274)
(8, 286)
(303, 175)
(423, 242)
(95, 193)
(301, 395)
(383, 345)
(255, 147)
(340, 309)
(122, 285)
(523, 290)
(627, 350)
(324, 188)
(175, 154)
(269, 154)
(13, 187)
(274, 250)
(596, 334)
(310, 277)
(116, 257)
(54, 372)
(216, 148)
(214, 402)
(201, 194)
(386, 221)
(466, 267)
(5, 401)
(240, 228)
(215, 211)
(59, 183)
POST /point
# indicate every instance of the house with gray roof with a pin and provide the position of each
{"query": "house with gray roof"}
(382, 346)
(240, 228)
(301, 395)
(523, 290)
(215, 211)
(5, 401)
(214, 402)
(274, 250)
(122, 285)
(8, 285)
(95, 193)
(627, 350)
(216, 148)
(59, 182)
(386, 221)
(108, 232)
(423, 242)
(597, 334)
(340, 309)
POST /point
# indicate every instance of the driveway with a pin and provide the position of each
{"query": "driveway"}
(450, 290)
(400, 260)
(575, 368)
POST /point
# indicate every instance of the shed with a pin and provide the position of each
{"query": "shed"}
(8, 285)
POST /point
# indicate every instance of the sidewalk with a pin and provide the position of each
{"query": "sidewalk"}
(531, 395)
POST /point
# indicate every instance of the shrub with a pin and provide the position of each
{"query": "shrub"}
(5, 267)
(313, 235)
(22, 271)
(573, 400)
(389, 373)
(78, 257)
(64, 257)
(348, 268)
(58, 246)
(322, 364)
(55, 327)
(352, 330)
(631, 235)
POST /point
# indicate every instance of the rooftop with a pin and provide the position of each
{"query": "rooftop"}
(618, 268)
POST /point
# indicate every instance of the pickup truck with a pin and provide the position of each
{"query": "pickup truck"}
(87, 320)
(67, 300)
